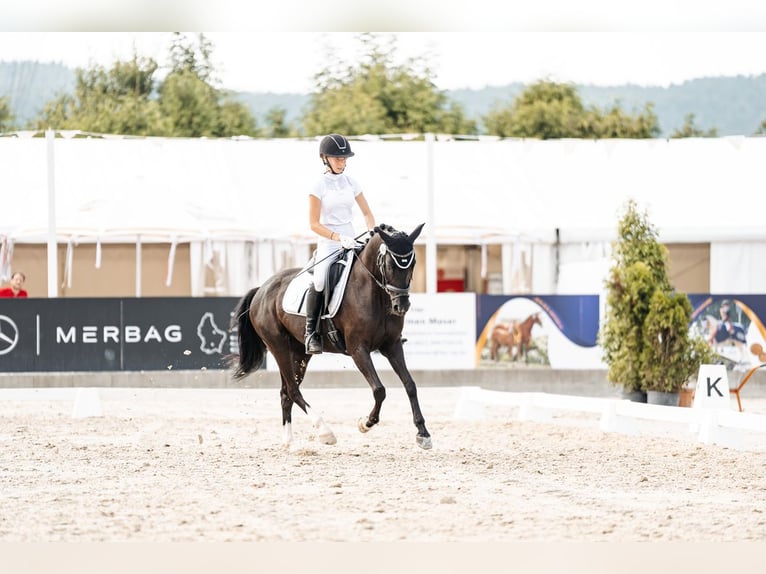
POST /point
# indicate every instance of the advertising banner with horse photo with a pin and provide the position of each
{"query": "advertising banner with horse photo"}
(553, 331)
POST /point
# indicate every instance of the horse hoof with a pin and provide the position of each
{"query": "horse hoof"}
(328, 438)
(424, 442)
(362, 424)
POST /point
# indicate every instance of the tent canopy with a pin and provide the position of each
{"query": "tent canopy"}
(485, 191)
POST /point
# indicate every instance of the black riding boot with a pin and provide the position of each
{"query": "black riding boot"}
(313, 309)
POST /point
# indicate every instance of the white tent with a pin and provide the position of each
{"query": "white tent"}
(560, 198)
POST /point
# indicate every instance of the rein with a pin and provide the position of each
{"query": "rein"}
(333, 254)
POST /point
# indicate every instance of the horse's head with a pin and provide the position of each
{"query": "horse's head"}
(395, 261)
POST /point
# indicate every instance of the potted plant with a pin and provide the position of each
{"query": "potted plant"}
(645, 335)
(638, 270)
(671, 356)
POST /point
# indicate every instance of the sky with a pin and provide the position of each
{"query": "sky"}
(278, 47)
(287, 61)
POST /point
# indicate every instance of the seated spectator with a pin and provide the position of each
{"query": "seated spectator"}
(15, 289)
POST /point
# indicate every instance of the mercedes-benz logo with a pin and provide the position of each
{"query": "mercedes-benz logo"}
(9, 335)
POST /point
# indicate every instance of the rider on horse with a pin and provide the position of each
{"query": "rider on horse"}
(330, 215)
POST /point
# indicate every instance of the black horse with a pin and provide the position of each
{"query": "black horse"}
(370, 318)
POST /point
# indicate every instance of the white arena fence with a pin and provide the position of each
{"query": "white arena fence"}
(711, 420)
(86, 401)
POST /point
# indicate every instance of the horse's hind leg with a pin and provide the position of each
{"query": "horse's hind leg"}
(292, 371)
(324, 432)
(287, 422)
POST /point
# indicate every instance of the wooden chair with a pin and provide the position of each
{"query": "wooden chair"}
(743, 382)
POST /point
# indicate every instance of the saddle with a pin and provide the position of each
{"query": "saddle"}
(294, 300)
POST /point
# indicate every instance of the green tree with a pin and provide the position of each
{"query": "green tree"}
(6, 116)
(690, 130)
(544, 110)
(375, 97)
(645, 335)
(276, 124)
(454, 121)
(189, 101)
(235, 119)
(114, 101)
(638, 270)
(197, 59)
(552, 110)
(670, 355)
(189, 105)
(127, 99)
(615, 123)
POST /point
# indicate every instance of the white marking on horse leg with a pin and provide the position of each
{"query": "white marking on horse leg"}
(287, 434)
(325, 436)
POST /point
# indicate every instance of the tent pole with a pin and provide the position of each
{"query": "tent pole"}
(50, 137)
(506, 255)
(431, 264)
(138, 266)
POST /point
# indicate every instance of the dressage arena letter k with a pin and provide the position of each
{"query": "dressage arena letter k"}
(712, 386)
(712, 389)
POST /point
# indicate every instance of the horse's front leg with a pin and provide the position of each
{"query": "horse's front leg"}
(395, 356)
(363, 362)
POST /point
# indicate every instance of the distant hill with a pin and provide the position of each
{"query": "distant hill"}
(732, 105)
(261, 102)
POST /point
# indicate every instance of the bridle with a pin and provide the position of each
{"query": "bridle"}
(402, 261)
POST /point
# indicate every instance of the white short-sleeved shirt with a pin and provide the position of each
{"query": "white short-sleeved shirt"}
(337, 194)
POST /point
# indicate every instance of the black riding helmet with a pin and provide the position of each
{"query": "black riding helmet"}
(335, 145)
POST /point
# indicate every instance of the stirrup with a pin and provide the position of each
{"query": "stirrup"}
(313, 344)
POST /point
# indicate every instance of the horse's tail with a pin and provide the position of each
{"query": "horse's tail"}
(252, 350)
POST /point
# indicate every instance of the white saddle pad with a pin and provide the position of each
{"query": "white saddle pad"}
(294, 301)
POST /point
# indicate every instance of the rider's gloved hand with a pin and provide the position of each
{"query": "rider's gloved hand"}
(347, 242)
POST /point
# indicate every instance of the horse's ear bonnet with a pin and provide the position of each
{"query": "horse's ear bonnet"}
(398, 241)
